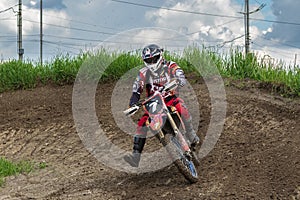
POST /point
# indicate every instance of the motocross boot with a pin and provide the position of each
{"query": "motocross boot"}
(135, 157)
(191, 133)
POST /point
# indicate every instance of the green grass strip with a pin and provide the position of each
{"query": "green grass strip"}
(8, 168)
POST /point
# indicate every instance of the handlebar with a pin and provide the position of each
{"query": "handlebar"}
(132, 110)
(166, 88)
(171, 86)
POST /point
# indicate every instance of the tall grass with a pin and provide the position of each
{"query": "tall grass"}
(63, 69)
(283, 78)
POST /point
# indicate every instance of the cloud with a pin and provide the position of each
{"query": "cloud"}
(280, 42)
(271, 54)
(47, 4)
(8, 26)
(30, 30)
(209, 29)
(70, 26)
(286, 11)
(31, 21)
(213, 31)
(165, 38)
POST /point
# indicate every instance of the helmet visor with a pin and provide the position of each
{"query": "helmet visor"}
(152, 60)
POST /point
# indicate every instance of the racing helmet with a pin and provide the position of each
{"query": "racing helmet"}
(152, 57)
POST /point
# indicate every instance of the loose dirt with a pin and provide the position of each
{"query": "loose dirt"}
(256, 157)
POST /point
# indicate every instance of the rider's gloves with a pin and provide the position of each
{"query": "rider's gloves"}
(179, 74)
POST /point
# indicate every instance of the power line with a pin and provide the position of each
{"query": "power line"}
(87, 40)
(277, 22)
(222, 45)
(7, 19)
(230, 41)
(55, 45)
(177, 10)
(95, 31)
(10, 36)
(8, 41)
(66, 45)
(10, 8)
(72, 28)
(204, 13)
(258, 2)
(74, 38)
(213, 27)
(61, 43)
(115, 42)
(93, 40)
(110, 33)
(56, 42)
(124, 42)
(216, 26)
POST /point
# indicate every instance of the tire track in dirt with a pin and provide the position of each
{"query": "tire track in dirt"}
(257, 155)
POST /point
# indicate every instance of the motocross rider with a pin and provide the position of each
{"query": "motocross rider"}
(156, 73)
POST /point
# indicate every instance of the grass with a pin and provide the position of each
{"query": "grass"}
(282, 78)
(8, 168)
(64, 69)
(42, 165)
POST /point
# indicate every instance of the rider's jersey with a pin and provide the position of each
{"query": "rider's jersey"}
(152, 82)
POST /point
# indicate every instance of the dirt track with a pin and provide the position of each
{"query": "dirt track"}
(256, 157)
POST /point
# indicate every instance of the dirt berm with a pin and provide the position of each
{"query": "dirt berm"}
(256, 157)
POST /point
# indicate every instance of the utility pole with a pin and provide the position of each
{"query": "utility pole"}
(41, 32)
(20, 49)
(246, 14)
(247, 34)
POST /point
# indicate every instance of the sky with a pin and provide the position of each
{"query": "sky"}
(71, 27)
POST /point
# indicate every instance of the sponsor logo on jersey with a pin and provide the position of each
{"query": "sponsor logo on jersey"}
(160, 80)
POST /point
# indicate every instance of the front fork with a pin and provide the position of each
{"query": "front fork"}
(182, 142)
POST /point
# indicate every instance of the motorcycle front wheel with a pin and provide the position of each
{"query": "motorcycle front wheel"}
(184, 163)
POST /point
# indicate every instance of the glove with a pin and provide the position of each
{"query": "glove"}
(179, 74)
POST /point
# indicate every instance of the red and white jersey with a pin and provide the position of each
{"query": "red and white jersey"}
(152, 82)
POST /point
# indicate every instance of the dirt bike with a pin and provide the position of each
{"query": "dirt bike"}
(166, 124)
